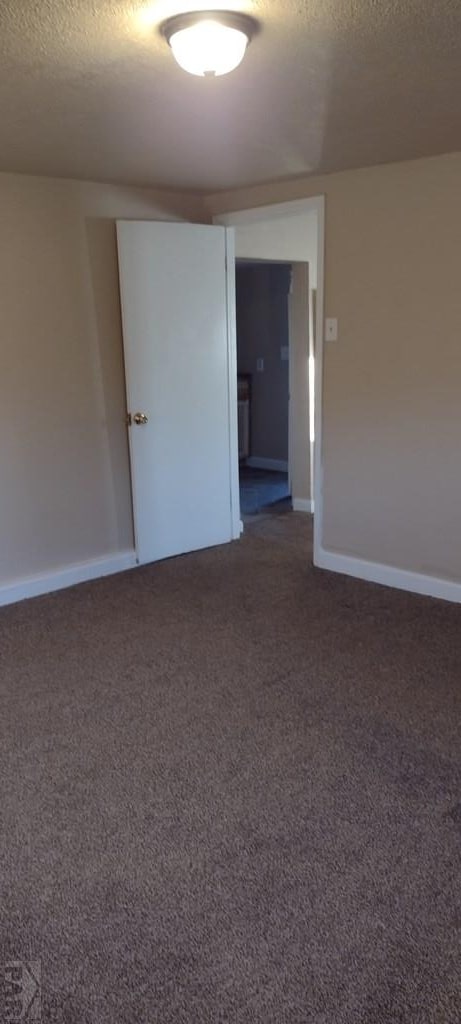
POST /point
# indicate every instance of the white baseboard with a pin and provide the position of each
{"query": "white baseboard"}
(303, 505)
(255, 462)
(389, 576)
(44, 583)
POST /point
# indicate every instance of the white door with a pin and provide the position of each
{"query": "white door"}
(179, 342)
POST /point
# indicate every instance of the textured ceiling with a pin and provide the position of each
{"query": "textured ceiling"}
(88, 89)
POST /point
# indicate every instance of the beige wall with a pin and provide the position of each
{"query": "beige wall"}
(392, 383)
(64, 469)
(290, 238)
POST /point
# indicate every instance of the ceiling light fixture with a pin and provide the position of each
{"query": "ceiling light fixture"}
(209, 43)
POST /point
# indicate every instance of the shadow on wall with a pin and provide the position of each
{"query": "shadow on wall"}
(104, 284)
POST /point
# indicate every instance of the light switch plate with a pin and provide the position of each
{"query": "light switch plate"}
(331, 329)
(284, 353)
(260, 365)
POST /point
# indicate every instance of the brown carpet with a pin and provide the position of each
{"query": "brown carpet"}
(231, 792)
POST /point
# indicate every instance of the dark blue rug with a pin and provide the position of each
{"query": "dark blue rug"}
(260, 488)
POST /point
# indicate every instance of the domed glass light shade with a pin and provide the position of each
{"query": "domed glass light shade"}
(209, 43)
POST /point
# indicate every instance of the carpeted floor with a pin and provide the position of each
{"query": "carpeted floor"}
(231, 792)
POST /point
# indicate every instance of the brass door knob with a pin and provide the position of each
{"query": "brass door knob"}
(140, 418)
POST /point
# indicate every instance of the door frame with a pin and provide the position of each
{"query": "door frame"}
(236, 522)
(300, 504)
(316, 205)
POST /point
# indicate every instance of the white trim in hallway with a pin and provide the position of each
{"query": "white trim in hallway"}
(67, 576)
(303, 505)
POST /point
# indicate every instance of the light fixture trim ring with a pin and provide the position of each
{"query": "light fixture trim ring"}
(230, 19)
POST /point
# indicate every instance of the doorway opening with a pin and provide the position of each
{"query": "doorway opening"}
(293, 232)
(263, 354)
